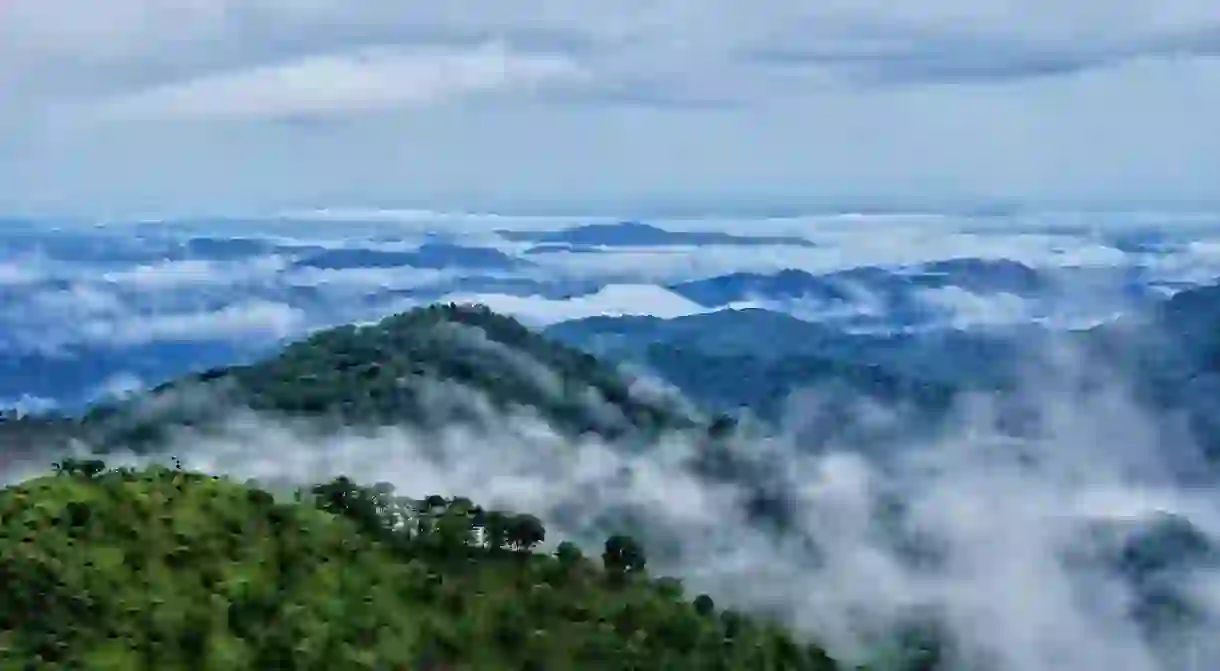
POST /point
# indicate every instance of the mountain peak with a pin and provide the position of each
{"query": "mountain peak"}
(635, 233)
(407, 368)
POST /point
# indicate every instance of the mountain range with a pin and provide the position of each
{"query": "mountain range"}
(636, 234)
(446, 365)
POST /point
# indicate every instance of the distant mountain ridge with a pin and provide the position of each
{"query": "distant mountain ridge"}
(636, 234)
(772, 336)
(431, 255)
(1169, 354)
(892, 287)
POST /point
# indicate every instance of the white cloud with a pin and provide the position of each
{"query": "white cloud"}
(256, 319)
(78, 300)
(27, 405)
(18, 274)
(702, 104)
(677, 39)
(119, 386)
(611, 300)
(862, 241)
(361, 280)
(862, 305)
(370, 80)
(171, 275)
(965, 309)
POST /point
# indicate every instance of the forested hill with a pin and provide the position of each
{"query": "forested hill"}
(427, 367)
(167, 569)
(389, 373)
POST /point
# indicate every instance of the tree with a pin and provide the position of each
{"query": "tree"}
(568, 555)
(92, 467)
(435, 503)
(86, 467)
(735, 624)
(669, 587)
(343, 497)
(623, 556)
(452, 533)
(496, 530)
(525, 532)
(704, 605)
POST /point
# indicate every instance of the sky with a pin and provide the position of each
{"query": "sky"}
(557, 105)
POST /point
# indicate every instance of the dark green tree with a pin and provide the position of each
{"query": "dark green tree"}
(496, 527)
(86, 467)
(569, 555)
(623, 556)
(525, 532)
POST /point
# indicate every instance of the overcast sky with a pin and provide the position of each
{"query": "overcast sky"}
(200, 105)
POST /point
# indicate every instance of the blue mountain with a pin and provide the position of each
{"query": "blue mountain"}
(223, 249)
(982, 276)
(790, 283)
(893, 288)
(432, 255)
(636, 234)
(771, 336)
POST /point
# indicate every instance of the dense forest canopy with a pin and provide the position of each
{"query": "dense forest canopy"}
(428, 367)
(163, 568)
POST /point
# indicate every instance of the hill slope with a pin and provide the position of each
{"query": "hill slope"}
(168, 569)
(942, 357)
(428, 367)
(726, 382)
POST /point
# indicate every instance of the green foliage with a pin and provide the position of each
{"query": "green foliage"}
(374, 374)
(389, 373)
(623, 556)
(167, 569)
(568, 554)
(84, 467)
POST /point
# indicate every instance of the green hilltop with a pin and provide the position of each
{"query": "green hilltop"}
(167, 569)
(428, 367)
(446, 363)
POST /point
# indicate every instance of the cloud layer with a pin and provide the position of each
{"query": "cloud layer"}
(552, 103)
(85, 304)
(370, 80)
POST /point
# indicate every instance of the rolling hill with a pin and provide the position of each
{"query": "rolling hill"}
(166, 569)
(946, 357)
(428, 367)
